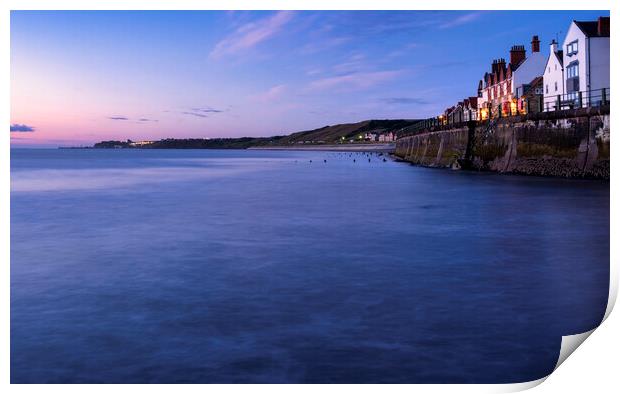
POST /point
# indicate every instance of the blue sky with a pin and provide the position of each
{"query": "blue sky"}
(80, 77)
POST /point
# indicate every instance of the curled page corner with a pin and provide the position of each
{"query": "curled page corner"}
(516, 387)
(569, 344)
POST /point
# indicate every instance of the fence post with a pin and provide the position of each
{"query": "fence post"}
(558, 103)
(603, 96)
(541, 103)
(580, 99)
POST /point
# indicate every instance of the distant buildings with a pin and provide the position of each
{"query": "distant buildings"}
(370, 137)
(379, 136)
(139, 143)
(387, 137)
(470, 109)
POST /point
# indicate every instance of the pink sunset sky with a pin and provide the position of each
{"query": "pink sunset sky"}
(82, 77)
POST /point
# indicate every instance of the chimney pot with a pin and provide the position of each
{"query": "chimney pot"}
(517, 54)
(554, 47)
(603, 26)
(535, 44)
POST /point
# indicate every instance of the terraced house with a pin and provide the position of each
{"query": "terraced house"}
(500, 90)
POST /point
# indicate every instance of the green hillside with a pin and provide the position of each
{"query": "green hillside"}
(333, 134)
(324, 135)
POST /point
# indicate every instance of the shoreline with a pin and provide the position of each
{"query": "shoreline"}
(386, 148)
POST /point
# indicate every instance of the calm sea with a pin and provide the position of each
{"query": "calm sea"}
(206, 266)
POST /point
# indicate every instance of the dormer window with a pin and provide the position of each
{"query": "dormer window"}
(572, 48)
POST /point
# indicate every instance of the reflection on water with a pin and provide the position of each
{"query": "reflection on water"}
(249, 266)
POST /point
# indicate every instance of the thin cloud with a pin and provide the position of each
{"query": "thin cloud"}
(324, 44)
(194, 114)
(404, 100)
(272, 94)
(208, 110)
(449, 64)
(118, 118)
(147, 120)
(404, 50)
(355, 63)
(21, 128)
(313, 71)
(354, 81)
(461, 20)
(251, 34)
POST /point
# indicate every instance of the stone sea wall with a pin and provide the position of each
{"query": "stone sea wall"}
(571, 143)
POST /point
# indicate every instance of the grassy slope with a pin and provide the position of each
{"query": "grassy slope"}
(332, 134)
(327, 135)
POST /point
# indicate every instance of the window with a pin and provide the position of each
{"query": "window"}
(572, 70)
(556, 67)
(546, 89)
(556, 86)
(549, 69)
(572, 48)
(572, 77)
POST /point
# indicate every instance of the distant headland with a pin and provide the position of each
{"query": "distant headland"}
(379, 133)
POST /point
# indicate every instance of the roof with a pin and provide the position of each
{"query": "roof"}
(560, 56)
(590, 28)
(513, 67)
(536, 81)
(531, 87)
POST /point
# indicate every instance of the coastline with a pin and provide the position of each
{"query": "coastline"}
(386, 148)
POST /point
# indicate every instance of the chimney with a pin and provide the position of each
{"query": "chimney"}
(517, 54)
(535, 44)
(554, 47)
(603, 26)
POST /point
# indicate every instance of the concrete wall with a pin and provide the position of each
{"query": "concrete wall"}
(571, 144)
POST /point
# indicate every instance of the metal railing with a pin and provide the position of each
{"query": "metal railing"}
(532, 104)
(574, 100)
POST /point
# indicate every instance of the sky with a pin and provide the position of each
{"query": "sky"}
(79, 77)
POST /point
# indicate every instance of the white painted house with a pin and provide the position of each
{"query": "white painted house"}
(533, 66)
(500, 91)
(586, 61)
(553, 79)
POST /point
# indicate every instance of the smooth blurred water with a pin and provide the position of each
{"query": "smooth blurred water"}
(260, 266)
